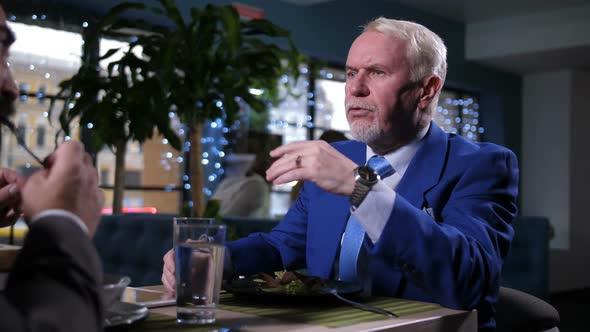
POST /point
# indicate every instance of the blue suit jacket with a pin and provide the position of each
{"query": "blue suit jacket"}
(452, 256)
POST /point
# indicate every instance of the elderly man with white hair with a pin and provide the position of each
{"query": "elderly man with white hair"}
(406, 209)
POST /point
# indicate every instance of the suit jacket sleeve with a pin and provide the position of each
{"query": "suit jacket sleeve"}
(55, 282)
(282, 248)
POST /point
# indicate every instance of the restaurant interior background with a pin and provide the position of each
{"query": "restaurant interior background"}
(518, 74)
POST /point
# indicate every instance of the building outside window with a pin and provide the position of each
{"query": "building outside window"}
(38, 66)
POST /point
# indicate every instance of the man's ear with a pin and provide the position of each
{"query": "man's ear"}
(431, 86)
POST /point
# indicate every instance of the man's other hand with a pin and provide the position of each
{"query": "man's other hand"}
(315, 161)
(70, 183)
(11, 184)
(168, 277)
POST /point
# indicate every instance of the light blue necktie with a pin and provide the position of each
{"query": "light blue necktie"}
(354, 236)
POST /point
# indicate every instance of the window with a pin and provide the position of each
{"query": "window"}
(152, 169)
(330, 112)
(133, 178)
(104, 177)
(313, 112)
(290, 118)
(38, 66)
(41, 94)
(21, 132)
(23, 89)
(40, 136)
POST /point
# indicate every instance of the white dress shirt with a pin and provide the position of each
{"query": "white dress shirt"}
(375, 209)
(61, 213)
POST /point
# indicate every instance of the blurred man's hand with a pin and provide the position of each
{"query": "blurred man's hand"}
(11, 184)
(69, 183)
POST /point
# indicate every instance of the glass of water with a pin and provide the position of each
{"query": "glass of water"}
(199, 254)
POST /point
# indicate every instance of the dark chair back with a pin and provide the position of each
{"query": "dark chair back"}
(517, 311)
(133, 244)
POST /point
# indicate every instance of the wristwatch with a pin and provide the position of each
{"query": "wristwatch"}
(365, 178)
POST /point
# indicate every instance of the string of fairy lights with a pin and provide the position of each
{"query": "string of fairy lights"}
(459, 116)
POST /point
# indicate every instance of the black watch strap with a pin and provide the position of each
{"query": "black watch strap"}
(365, 178)
(359, 193)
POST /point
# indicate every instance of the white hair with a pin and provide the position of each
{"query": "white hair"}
(427, 53)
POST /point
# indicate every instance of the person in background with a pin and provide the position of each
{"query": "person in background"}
(406, 210)
(243, 192)
(56, 280)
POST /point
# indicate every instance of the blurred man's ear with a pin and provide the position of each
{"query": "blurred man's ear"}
(430, 88)
(2, 14)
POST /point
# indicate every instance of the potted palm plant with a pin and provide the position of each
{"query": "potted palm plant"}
(122, 103)
(203, 67)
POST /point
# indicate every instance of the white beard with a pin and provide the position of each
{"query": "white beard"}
(365, 132)
(360, 129)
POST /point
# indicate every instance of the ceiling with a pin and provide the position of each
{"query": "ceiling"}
(518, 36)
(492, 14)
(469, 11)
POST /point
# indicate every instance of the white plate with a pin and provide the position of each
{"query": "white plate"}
(122, 313)
(150, 298)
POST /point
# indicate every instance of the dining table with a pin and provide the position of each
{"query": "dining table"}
(315, 314)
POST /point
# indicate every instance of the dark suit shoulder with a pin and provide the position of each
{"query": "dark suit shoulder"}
(59, 264)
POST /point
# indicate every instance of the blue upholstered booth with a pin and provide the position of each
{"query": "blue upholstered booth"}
(134, 244)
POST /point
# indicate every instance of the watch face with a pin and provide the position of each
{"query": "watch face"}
(367, 173)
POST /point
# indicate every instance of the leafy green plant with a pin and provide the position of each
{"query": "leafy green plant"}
(127, 102)
(204, 66)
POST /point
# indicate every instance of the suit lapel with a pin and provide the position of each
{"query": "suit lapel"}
(356, 151)
(425, 168)
(422, 174)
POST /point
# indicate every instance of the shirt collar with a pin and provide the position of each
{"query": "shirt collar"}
(400, 158)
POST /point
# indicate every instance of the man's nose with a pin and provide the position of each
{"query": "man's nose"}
(358, 86)
(8, 87)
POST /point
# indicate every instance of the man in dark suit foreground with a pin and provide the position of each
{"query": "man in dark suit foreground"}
(55, 282)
